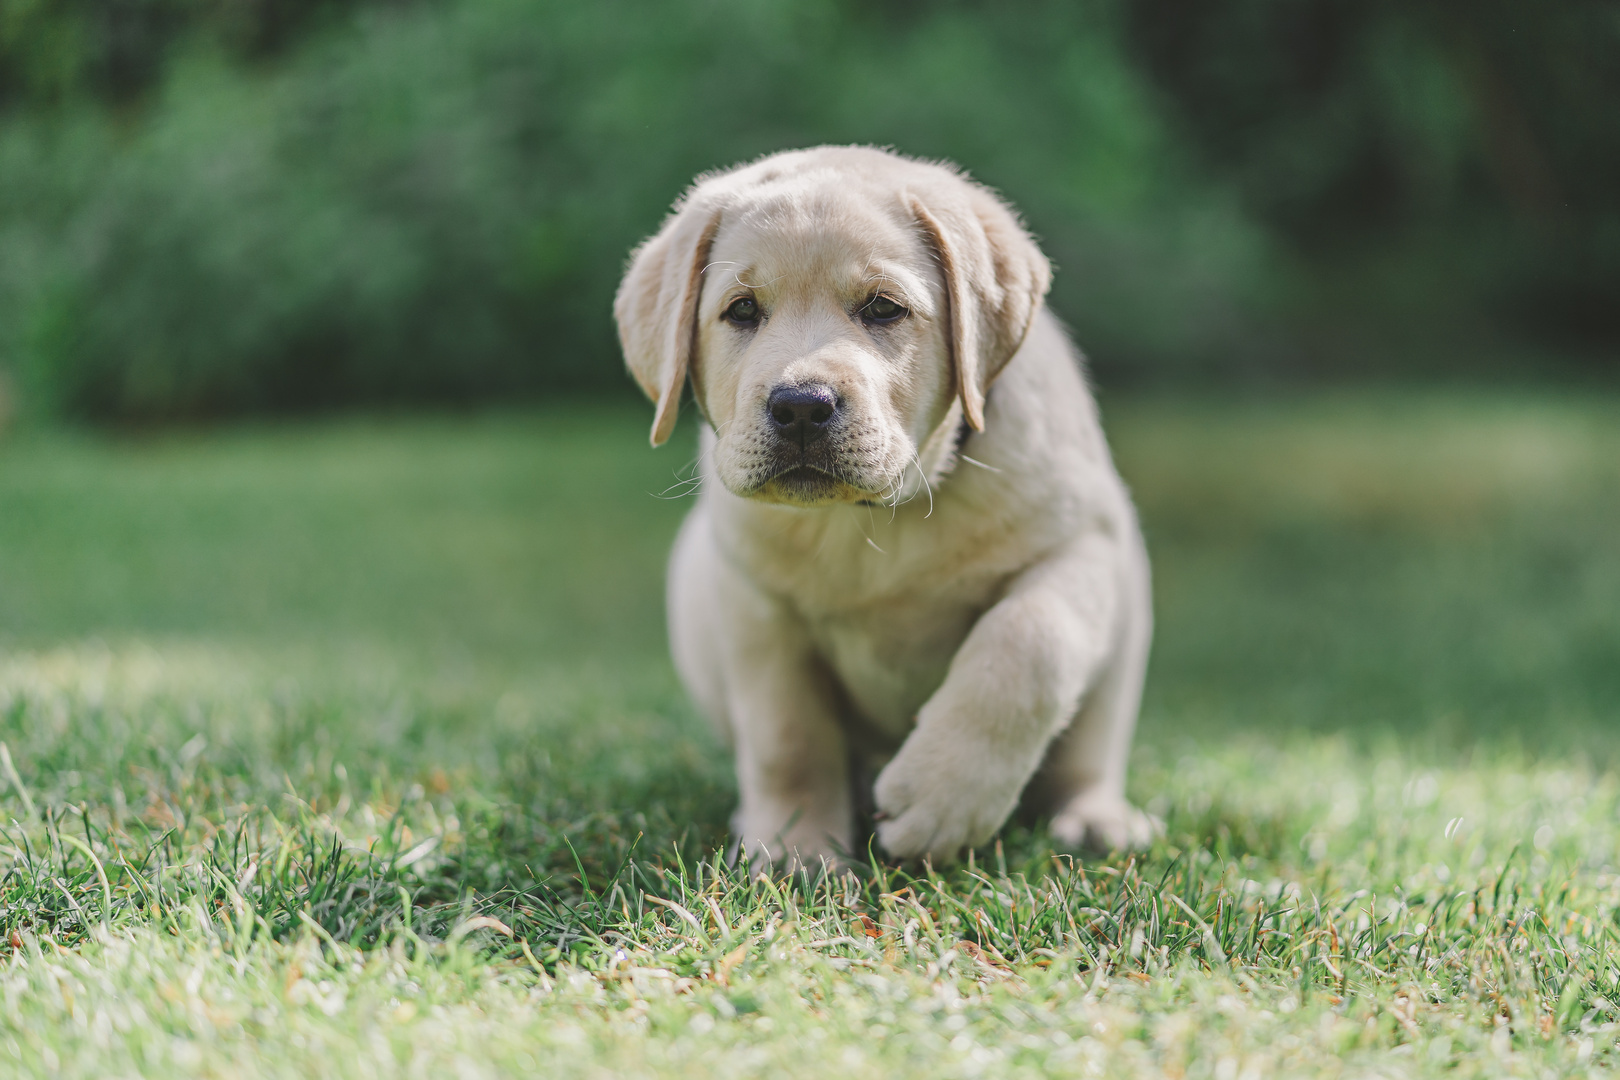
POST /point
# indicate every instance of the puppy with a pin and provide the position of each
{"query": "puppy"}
(911, 555)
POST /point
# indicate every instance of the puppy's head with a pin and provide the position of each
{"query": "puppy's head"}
(838, 310)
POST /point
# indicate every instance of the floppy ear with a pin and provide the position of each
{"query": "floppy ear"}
(656, 307)
(995, 280)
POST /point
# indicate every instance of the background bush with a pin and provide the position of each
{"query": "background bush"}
(214, 208)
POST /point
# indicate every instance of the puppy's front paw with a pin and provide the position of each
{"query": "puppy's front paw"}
(1103, 822)
(936, 800)
(800, 846)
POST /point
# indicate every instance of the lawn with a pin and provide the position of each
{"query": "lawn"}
(350, 748)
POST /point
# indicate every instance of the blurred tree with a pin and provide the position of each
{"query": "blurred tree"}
(112, 51)
(224, 206)
(436, 203)
(1352, 126)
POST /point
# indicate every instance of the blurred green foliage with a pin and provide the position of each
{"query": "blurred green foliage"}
(224, 206)
(1471, 142)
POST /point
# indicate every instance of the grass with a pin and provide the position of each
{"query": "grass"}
(350, 749)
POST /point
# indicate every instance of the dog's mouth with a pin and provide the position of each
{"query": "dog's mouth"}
(807, 476)
(804, 483)
(807, 485)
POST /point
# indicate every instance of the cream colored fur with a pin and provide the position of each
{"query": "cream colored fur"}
(969, 616)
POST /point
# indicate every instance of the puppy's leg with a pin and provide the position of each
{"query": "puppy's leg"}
(793, 775)
(747, 659)
(1083, 779)
(695, 619)
(1013, 684)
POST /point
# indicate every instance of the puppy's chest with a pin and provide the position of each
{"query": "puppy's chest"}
(888, 663)
(888, 615)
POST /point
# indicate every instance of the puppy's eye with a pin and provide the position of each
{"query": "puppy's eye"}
(743, 311)
(882, 310)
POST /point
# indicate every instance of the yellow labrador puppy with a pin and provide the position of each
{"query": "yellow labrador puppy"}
(911, 551)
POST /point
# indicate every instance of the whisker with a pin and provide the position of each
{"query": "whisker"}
(891, 493)
(873, 522)
(926, 485)
(691, 484)
(762, 285)
(976, 461)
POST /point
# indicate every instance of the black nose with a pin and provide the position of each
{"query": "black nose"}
(801, 414)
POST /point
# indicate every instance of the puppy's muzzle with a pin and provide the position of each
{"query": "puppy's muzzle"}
(801, 415)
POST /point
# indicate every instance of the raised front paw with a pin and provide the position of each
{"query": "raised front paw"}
(935, 800)
(1094, 821)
